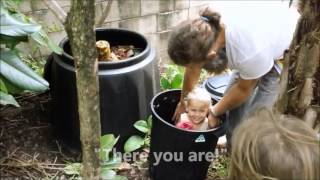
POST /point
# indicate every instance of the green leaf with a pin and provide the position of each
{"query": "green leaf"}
(11, 58)
(3, 86)
(20, 79)
(165, 84)
(108, 141)
(7, 87)
(15, 71)
(12, 41)
(133, 143)
(54, 47)
(106, 144)
(7, 99)
(42, 38)
(112, 163)
(141, 125)
(72, 169)
(177, 81)
(13, 26)
(108, 174)
(147, 141)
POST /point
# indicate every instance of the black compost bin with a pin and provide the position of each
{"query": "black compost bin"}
(126, 88)
(166, 139)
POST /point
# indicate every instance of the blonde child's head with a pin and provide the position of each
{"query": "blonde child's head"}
(199, 94)
(273, 146)
(198, 104)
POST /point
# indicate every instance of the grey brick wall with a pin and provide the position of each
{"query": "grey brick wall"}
(152, 18)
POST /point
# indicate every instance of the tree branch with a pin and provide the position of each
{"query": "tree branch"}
(105, 13)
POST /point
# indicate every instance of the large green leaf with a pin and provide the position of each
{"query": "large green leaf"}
(14, 60)
(165, 84)
(106, 144)
(21, 79)
(108, 141)
(133, 143)
(42, 38)
(12, 41)
(12, 26)
(3, 86)
(141, 125)
(7, 99)
(177, 81)
(7, 87)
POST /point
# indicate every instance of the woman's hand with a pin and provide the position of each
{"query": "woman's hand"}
(181, 108)
(213, 119)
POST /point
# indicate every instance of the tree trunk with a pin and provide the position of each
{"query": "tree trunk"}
(80, 28)
(300, 79)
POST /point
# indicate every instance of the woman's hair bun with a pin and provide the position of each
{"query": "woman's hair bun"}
(212, 16)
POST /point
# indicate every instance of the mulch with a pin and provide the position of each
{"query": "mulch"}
(30, 150)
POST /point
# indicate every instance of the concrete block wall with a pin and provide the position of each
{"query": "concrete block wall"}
(152, 18)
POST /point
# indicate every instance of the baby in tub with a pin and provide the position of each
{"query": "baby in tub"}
(198, 103)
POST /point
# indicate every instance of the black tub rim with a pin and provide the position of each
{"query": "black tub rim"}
(172, 126)
(129, 61)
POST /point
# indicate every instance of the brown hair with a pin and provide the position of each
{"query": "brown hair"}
(273, 146)
(191, 41)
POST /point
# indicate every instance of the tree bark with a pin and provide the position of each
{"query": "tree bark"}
(80, 29)
(300, 79)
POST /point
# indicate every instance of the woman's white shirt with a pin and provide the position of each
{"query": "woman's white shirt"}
(256, 35)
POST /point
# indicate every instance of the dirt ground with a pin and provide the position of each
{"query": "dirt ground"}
(29, 149)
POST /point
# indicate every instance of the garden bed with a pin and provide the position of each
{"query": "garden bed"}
(29, 149)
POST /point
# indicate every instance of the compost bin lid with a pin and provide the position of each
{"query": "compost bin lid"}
(216, 85)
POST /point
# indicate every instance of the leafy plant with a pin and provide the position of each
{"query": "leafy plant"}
(172, 78)
(135, 142)
(222, 166)
(15, 76)
(109, 162)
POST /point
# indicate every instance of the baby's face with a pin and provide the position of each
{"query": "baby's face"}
(197, 111)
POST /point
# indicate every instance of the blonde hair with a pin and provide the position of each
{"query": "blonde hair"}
(273, 146)
(199, 94)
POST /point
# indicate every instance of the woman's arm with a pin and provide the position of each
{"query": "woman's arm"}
(191, 77)
(235, 96)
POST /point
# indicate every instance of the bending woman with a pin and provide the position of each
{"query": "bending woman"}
(253, 42)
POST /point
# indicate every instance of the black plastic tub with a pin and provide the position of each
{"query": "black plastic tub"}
(126, 88)
(183, 145)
